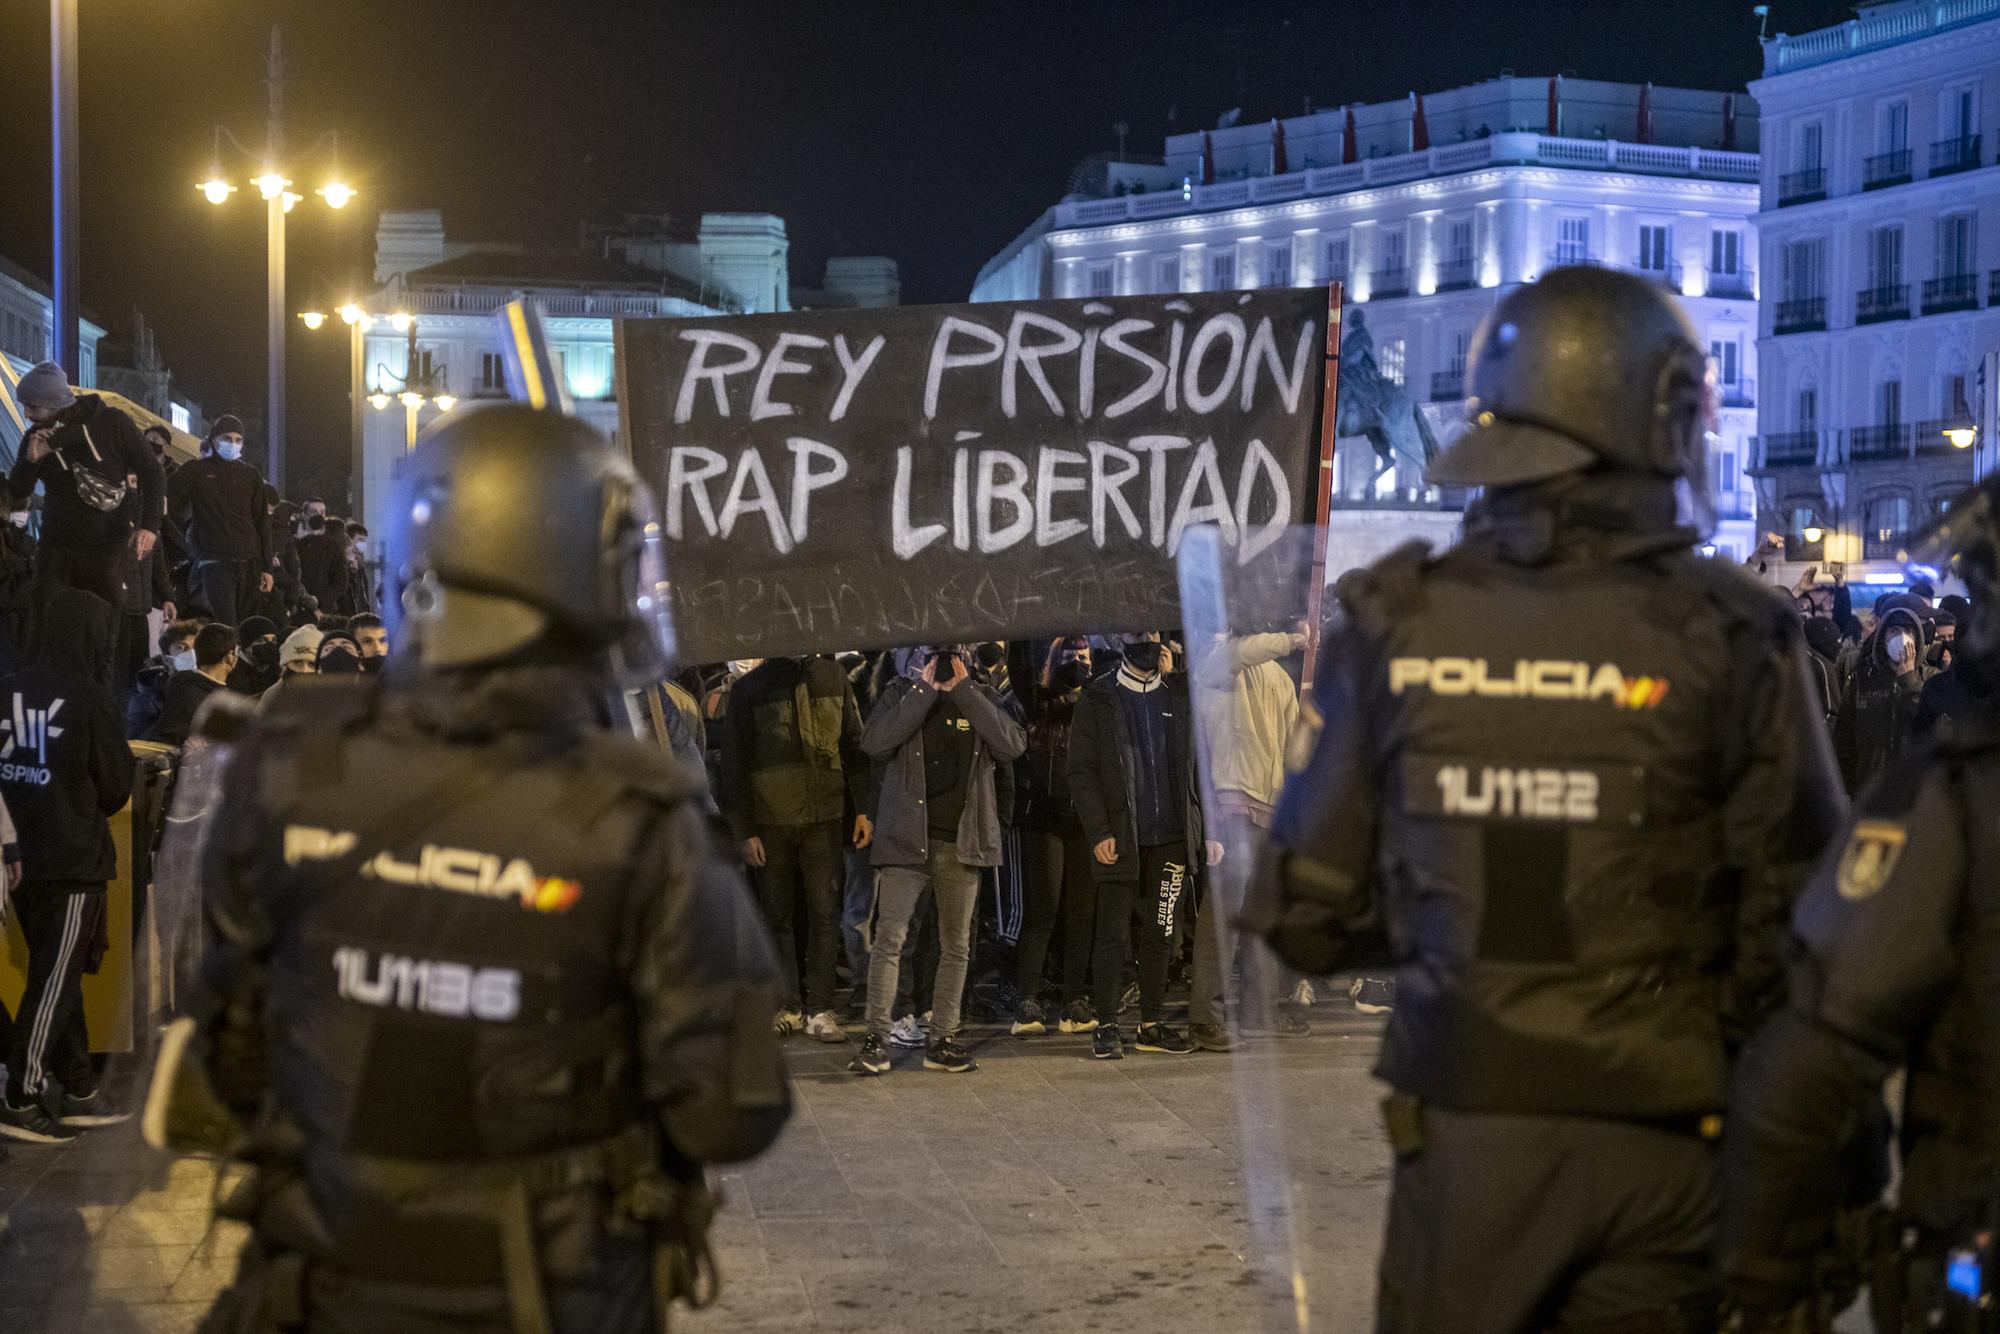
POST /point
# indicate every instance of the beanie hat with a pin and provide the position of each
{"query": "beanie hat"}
(300, 646)
(227, 424)
(255, 628)
(45, 386)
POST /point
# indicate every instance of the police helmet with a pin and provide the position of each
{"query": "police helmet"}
(1587, 368)
(1965, 540)
(513, 526)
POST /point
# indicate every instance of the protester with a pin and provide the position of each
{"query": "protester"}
(215, 657)
(68, 773)
(322, 554)
(1061, 886)
(338, 654)
(257, 657)
(794, 791)
(1878, 707)
(360, 585)
(371, 637)
(221, 501)
(17, 591)
(1132, 777)
(935, 736)
(84, 454)
(298, 656)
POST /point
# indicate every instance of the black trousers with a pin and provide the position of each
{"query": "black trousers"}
(94, 570)
(1060, 888)
(1159, 883)
(228, 588)
(1550, 1223)
(60, 921)
(807, 856)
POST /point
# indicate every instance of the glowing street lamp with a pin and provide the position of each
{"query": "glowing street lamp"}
(313, 319)
(1813, 533)
(400, 321)
(446, 402)
(336, 194)
(1961, 437)
(378, 400)
(215, 189)
(270, 185)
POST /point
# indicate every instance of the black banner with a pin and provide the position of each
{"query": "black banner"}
(939, 474)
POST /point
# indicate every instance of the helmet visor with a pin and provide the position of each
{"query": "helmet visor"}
(635, 545)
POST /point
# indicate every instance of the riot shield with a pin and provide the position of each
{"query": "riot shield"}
(1315, 1161)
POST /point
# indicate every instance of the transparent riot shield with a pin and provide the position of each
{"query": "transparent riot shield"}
(1314, 1159)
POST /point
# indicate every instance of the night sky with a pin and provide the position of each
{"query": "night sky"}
(931, 131)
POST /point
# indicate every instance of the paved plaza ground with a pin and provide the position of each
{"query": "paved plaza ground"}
(1044, 1191)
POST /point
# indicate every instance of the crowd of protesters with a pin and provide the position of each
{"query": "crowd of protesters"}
(142, 589)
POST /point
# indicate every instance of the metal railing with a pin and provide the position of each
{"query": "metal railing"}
(1668, 276)
(1890, 440)
(1802, 187)
(1454, 274)
(1784, 448)
(1885, 169)
(1950, 155)
(1447, 386)
(1931, 438)
(1872, 305)
(1737, 284)
(1800, 315)
(1879, 26)
(1740, 394)
(1956, 291)
(1388, 282)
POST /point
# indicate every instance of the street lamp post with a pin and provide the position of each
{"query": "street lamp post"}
(420, 386)
(275, 188)
(63, 144)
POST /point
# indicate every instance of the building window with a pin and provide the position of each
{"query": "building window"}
(1459, 249)
(1100, 280)
(1461, 350)
(1889, 403)
(1725, 252)
(1572, 240)
(1278, 263)
(421, 368)
(1810, 148)
(1392, 362)
(1952, 401)
(1726, 482)
(1888, 517)
(1885, 257)
(1395, 249)
(1727, 356)
(1895, 127)
(1807, 415)
(1222, 269)
(1805, 269)
(1336, 259)
(1167, 273)
(492, 371)
(1954, 245)
(1956, 118)
(1655, 244)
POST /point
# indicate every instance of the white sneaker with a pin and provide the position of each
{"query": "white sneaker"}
(1302, 994)
(905, 1033)
(825, 1026)
(787, 1023)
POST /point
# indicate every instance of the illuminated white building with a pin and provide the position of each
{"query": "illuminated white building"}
(1430, 209)
(643, 268)
(1879, 180)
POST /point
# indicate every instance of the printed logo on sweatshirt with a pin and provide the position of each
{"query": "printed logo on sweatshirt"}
(1527, 679)
(28, 729)
(459, 870)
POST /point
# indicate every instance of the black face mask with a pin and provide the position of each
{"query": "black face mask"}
(316, 523)
(373, 664)
(339, 664)
(1143, 657)
(990, 656)
(1068, 676)
(944, 667)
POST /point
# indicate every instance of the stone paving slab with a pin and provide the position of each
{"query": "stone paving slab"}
(1045, 1191)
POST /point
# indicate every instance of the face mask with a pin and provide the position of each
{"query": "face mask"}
(184, 660)
(372, 664)
(360, 546)
(990, 656)
(743, 666)
(316, 523)
(231, 450)
(1071, 675)
(337, 664)
(1143, 657)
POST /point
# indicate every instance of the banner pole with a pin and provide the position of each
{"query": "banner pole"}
(1329, 416)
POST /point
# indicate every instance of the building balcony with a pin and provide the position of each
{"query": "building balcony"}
(1668, 276)
(1885, 169)
(1872, 305)
(1958, 291)
(1869, 444)
(1931, 438)
(1565, 256)
(1448, 386)
(1388, 282)
(1456, 274)
(1789, 449)
(1950, 155)
(1802, 187)
(1738, 284)
(1805, 314)
(1740, 394)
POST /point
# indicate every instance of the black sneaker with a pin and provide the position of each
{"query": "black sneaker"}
(1373, 995)
(1078, 1018)
(33, 1124)
(91, 1109)
(1105, 1045)
(1210, 1037)
(1030, 1020)
(872, 1059)
(1160, 1038)
(948, 1056)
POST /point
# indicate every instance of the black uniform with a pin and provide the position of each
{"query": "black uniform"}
(1899, 966)
(1569, 776)
(489, 988)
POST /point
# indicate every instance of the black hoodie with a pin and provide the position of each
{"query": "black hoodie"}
(91, 434)
(64, 766)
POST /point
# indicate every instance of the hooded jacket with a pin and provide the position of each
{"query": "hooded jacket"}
(894, 739)
(64, 768)
(91, 434)
(1878, 705)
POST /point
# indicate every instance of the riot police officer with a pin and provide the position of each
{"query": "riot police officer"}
(1567, 782)
(482, 983)
(1898, 966)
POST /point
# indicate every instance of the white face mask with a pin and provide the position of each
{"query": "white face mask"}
(742, 666)
(184, 660)
(229, 449)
